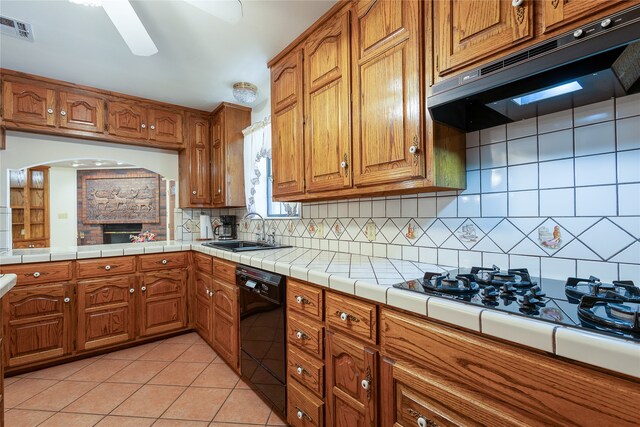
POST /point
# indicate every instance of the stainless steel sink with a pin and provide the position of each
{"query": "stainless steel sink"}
(242, 245)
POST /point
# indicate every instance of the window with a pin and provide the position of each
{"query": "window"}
(258, 174)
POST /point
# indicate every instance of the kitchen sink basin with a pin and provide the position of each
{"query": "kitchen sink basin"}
(242, 245)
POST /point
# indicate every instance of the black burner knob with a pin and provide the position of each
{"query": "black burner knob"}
(529, 299)
(490, 292)
(507, 289)
(537, 291)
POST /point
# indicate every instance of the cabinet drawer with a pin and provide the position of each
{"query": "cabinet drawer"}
(105, 267)
(224, 270)
(303, 408)
(163, 261)
(308, 370)
(305, 299)
(352, 316)
(306, 335)
(29, 274)
(204, 263)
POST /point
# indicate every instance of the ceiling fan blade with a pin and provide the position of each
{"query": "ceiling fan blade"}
(130, 27)
(227, 10)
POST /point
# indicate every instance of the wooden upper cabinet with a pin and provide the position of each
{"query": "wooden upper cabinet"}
(327, 98)
(127, 119)
(200, 161)
(165, 126)
(287, 125)
(80, 111)
(468, 31)
(29, 102)
(217, 160)
(106, 312)
(558, 13)
(38, 323)
(387, 103)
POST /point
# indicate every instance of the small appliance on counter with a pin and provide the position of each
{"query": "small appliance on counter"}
(226, 230)
(612, 309)
(206, 231)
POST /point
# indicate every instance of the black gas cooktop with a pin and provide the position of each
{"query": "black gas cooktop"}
(610, 308)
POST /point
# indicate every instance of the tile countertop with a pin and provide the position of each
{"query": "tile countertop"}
(7, 281)
(372, 278)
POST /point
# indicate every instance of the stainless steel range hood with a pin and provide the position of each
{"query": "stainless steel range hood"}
(590, 64)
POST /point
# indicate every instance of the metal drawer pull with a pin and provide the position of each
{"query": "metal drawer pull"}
(346, 316)
(36, 274)
(107, 267)
(301, 335)
(421, 419)
(164, 262)
(300, 370)
(302, 300)
(301, 414)
(131, 290)
(67, 299)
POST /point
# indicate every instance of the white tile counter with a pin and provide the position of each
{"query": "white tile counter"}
(7, 281)
(372, 278)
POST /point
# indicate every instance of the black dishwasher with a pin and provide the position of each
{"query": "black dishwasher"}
(262, 332)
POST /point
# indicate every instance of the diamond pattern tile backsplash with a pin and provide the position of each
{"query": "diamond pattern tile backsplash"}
(558, 194)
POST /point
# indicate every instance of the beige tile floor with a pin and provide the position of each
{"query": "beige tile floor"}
(179, 381)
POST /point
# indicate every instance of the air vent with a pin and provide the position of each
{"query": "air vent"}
(14, 28)
(535, 51)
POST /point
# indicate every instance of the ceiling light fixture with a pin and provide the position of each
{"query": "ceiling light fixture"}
(245, 92)
(92, 3)
(98, 164)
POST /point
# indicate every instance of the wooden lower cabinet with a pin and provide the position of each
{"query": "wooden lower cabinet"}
(163, 305)
(37, 321)
(351, 376)
(106, 312)
(226, 323)
(202, 306)
(303, 408)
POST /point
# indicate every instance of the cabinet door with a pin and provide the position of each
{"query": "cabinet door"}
(387, 110)
(287, 125)
(556, 14)
(327, 97)
(81, 112)
(351, 383)
(106, 312)
(218, 161)
(165, 126)
(226, 324)
(468, 31)
(127, 119)
(29, 102)
(163, 305)
(37, 323)
(203, 306)
(200, 161)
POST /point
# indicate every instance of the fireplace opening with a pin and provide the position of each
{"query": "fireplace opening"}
(119, 233)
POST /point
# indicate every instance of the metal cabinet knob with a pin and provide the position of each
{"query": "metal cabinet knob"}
(194, 192)
(219, 190)
(578, 33)
(413, 149)
(63, 113)
(144, 288)
(67, 299)
(143, 126)
(422, 422)
(300, 370)
(50, 110)
(343, 164)
(107, 267)
(152, 127)
(131, 290)
(516, 3)
(300, 414)
(344, 317)
(365, 384)
(164, 262)
(605, 23)
(36, 274)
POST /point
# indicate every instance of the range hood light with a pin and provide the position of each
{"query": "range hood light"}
(547, 93)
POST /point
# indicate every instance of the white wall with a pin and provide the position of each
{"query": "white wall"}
(63, 225)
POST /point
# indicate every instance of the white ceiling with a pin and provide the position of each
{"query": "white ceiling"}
(199, 58)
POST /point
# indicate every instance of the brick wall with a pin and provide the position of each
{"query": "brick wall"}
(93, 232)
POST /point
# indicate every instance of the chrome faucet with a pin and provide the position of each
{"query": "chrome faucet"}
(263, 237)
